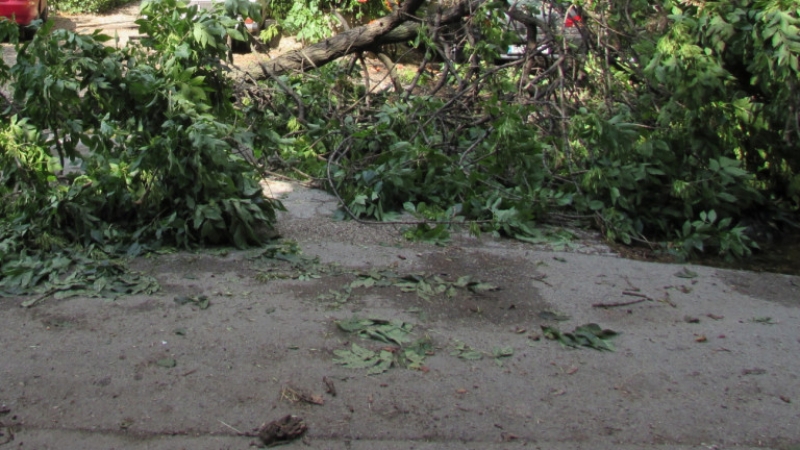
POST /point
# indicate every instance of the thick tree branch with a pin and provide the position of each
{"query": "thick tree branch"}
(399, 26)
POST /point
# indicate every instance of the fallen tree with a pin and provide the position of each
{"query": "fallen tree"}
(401, 25)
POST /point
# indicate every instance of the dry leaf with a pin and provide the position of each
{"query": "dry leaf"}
(700, 338)
(282, 430)
(329, 386)
(508, 437)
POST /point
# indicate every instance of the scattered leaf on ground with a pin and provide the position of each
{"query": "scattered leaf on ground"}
(167, 362)
(553, 316)
(502, 352)
(105, 279)
(588, 335)
(700, 338)
(393, 332)
(336, 297)
(685, 273)
(201, 301)
(481, 287)
(300, 267)
(763, 320)
(464, 351)
(294, 395)
(414, 355)
(390, 332)
(361, 358)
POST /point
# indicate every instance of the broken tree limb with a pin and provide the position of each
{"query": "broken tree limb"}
(397, 27)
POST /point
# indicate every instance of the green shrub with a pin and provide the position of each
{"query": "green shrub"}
(152, 127)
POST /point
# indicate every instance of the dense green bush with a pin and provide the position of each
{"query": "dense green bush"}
(153, 129)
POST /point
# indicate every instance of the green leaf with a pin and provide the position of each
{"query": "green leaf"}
(481, 287)
(362, 358)
(390, 332)
(167, 362)
(588, 335)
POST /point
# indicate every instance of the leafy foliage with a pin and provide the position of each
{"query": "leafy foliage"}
(395, 332)
(390, 332)
(361, 358)
(663, 126)
(150, 132)
(313, 20)
(86, 6)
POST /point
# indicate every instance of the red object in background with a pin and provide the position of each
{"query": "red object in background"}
(572, 21)
(23, 11)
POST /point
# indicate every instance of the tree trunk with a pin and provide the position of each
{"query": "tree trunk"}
(399, 26)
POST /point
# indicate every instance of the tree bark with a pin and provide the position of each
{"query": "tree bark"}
(399, 26)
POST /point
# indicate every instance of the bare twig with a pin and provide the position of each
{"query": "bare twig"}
(301, 110)
(615, 304)
(232, 428)
(637, 294)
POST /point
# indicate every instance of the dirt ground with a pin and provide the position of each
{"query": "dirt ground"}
(706, 359)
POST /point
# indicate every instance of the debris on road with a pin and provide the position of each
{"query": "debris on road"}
(685, 273)
(464, 351)
(390, 332)
(361, 358)
(330, 388)
(589, 335)
(295, 395)
(282, 430)
(201, 301)
(167, 363)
